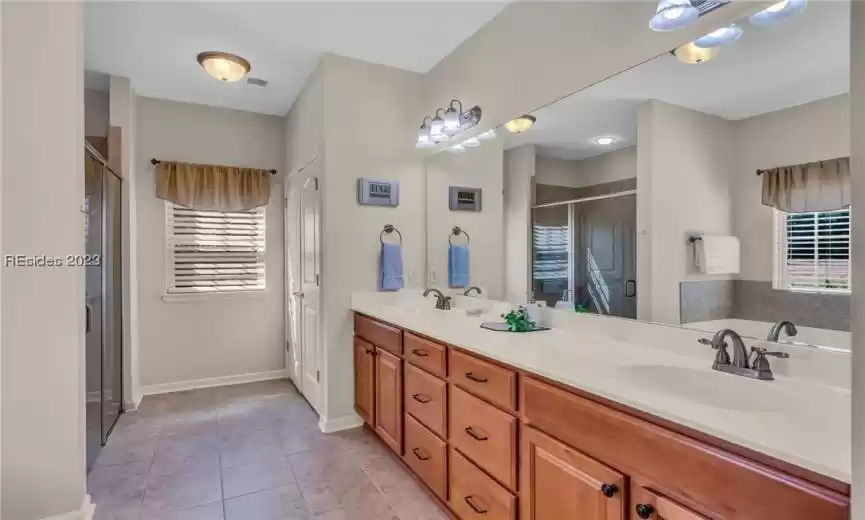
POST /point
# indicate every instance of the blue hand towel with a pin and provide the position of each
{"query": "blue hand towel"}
(391, 278)
(458, 266)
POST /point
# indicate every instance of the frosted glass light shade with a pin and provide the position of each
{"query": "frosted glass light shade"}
(780, 12)
(692, 55)
(224, 66)
(719, 37)
(673, 14)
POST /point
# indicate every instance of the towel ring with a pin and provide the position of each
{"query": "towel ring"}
(456, 231)
(388, 228)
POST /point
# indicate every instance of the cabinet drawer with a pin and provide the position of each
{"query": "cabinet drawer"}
(688, 469)
(426, 399)
(426, 455)
(486, 435)
(495, 384)
(379, 334)
(426, 354)
(475, 496)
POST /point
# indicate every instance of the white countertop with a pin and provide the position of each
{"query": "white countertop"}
(793, 420)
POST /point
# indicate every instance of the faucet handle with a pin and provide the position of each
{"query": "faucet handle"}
(707, 341)
(762, 352)
(761, 364)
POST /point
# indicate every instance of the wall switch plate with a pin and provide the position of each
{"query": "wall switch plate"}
(464, 199)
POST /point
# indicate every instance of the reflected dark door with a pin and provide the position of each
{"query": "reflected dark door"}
(605, 253)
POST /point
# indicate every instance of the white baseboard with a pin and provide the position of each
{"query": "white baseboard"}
(85, 512)
(132, 403)
(339, 424)
(209, 382)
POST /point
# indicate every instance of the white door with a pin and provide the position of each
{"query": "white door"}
(303, 200)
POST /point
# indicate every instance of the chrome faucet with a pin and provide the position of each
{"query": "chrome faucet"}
(740, 366)
(443, 302)
(775, 331)
(472, 288)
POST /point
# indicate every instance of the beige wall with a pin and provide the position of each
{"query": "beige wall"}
(519, 179)
(536, 52)
(609, 167)
(43, 440)
(211, 335)
(685, 162)
(806, 133)
(857, 158)
(483, 168)
(95, 113)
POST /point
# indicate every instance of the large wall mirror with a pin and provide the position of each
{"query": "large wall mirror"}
(702, 195)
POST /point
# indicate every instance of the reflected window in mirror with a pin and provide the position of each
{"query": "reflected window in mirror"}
(813, 251)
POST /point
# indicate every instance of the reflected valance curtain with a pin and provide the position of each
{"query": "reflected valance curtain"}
(816, 186)
(212, 187)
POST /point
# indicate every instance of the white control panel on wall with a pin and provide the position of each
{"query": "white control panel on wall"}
(377, 193)
(464, 199)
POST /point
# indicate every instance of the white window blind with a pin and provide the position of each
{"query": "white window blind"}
(214, 251)
(814, 251)
(550, 248)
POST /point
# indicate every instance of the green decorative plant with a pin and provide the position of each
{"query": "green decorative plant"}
(518, 320)
(582, 309)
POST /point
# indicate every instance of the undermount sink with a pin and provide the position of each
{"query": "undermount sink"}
(708, 387)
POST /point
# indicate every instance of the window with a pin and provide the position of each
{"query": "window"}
(214, 251)
(813, 251)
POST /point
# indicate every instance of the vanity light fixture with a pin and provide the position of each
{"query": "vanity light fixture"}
(719, 37)
(452, 115)
(604, 140)
(520, 124)
(437, 126)
(446, 123)
(673, 14)
(423, 135)
(692, 55)
(224, 66)
(780, 12)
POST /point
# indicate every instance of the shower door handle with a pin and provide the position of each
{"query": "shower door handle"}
(630, 288)
(86, 318)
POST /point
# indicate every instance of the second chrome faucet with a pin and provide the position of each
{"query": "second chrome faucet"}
(740, 364)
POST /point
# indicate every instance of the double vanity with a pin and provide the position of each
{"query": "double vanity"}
(561, 424)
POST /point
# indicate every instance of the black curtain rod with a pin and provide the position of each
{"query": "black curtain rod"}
(157, 161)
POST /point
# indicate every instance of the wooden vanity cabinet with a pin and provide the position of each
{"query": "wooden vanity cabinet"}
(388, 399)
(364, 380)
(648, 504)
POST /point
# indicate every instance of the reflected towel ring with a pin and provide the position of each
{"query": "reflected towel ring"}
(456, 231)
(388, 228)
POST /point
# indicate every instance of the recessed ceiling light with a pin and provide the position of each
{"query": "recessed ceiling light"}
(779, 12)
(673, 14)
(604, 140)
(719, 37)
(691, 54)
(520, 124)
(224, 66)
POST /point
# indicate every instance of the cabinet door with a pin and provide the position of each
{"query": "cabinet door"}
(650, 505)
(388, 399)
(557, 482)
(364, 380)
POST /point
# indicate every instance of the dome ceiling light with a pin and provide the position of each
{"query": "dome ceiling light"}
(447, 123)
(692, 55)
(780, 12)
(224, 66)
(520, 124)
(719, 37)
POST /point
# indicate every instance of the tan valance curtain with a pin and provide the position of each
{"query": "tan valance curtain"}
(213, 187)
(816, 186)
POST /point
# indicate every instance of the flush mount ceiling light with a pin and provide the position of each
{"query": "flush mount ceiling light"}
(224, 66)
(446, 123)
(673, 14)
(604, 140)
(520, 124)
(719, 37)
(692, 55)
(780, 12)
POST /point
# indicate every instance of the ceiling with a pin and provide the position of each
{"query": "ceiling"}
(155, 43)
(768, 69)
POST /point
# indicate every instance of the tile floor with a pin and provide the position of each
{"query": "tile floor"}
(247, 452)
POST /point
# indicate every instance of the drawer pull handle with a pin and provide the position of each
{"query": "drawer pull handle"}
(645, 510)
(421, 398)
(419, 454)
(476, 379)
(419, 352)
(609, 490)
(370, 352)
(470, 500)
(474, 435)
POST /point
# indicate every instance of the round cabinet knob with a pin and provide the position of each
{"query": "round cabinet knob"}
(609, 490)
(645, 510)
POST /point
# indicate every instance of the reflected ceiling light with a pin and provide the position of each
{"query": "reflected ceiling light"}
(520, 124)
(604, 140)
(691, 54)
(471, 142)
(719, 37)
(224, 66)
(673, 14)
(488, 135)
(780, 12)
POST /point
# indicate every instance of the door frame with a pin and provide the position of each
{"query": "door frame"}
(292, 233)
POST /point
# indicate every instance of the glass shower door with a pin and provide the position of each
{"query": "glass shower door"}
(93, 216)
(112, 338)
